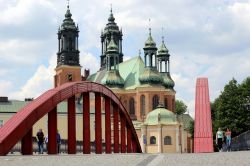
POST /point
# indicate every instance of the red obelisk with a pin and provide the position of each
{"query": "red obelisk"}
(203, 137)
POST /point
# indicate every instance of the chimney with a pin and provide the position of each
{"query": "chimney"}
(4, 99)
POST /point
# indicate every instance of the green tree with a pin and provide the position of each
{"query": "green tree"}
(231, 108)
(180, 107)
(191, 128)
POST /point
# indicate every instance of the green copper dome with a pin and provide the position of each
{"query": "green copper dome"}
(150, 41)
(150, 76)
(162, 51)
(68, 22)
(167, 80)
(160, 116)
(113, 79)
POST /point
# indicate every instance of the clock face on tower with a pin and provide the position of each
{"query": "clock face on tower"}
(70, 77)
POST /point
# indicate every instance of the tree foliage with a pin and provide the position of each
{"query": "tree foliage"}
(232, 108)
(180, 107)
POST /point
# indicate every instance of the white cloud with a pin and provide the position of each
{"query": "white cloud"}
(5, 86)
(43, 78)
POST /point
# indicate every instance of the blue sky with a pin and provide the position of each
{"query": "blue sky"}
(205, 38)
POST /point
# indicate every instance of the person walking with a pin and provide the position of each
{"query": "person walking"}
(228, 139)
(219, 139)
(40, 137)
(58, 141)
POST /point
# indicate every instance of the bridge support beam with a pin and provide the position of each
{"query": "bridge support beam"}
(123, 134)
(107, 125)
(116, 128)
(134, 146)
(86, 124)
(27, 143)
(52, 130)
(98, 124)
(71, 126)
(129, 135)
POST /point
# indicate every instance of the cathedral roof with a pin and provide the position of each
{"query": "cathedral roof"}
(112, 78)
(167, 80)
(150, 76)
(129, 70)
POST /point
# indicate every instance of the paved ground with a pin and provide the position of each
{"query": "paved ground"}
(205, 159)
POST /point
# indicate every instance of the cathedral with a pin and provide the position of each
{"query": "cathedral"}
(142, 83)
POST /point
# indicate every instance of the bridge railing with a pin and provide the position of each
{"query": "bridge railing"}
(241, 142)
(63, 146)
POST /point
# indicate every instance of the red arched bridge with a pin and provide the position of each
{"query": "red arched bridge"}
(19, 127)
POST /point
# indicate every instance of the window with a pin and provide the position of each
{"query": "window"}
(166, 103)
(142, 105)
(132, 106)
(155, 101)
(167, 140)
(1, 123)
(152, 140)
(173, 105)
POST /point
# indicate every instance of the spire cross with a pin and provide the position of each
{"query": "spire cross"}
(68, 3)
(149, 27)
(111, 7)
(162, 34)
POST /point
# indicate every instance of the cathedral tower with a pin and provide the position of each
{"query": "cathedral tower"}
(111, 29)
(68, 66)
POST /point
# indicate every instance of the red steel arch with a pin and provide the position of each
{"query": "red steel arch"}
(20, 125)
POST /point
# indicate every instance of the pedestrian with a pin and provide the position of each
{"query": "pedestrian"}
(219, 139)
(58, 141)
(228, 139)
(40, 137)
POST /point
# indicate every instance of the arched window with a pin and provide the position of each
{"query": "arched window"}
(155, 101)
(166, 103)
(142, 105)
(131, 106)
(147, 60)
(153, 60)
(152, 140)
(167, 140)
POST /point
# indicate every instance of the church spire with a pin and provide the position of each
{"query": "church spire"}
(68, 53)
(111, 28)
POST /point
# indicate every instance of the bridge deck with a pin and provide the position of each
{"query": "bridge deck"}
(205, 159)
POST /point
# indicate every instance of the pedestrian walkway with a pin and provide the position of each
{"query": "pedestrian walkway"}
(203, 159)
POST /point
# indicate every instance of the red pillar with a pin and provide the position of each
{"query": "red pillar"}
(129, 135)
(86, 124)
(107, 125)
(123, 134)
(71, 126)
(27, 144)
(98, 124)
(52, 130)
(116, 128)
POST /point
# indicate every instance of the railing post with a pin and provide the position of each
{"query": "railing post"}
(123, 134)
(71, 126)
(107, 125)
(52, 130)
(116, 128)
(27, 143)
(98, 124)
(86, 124)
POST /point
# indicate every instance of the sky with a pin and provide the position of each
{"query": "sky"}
(205, 38)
